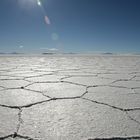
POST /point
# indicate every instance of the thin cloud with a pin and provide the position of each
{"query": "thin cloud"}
(53, 49)
(50, 49)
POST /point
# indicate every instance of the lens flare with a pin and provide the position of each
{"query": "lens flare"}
(55, 36)
(47, 20)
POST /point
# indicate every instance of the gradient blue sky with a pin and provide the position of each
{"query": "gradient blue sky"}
(76, 26)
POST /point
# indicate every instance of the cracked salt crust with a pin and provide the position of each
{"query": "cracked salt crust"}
(69, 97)
(89, 81)
(58, 90)
(20, 97)
(13, 83)
(123, 98)
(44, 78)
(128, 84)
(8, 121)
(75, 119)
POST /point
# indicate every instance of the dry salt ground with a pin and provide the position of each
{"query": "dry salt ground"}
(69, 97)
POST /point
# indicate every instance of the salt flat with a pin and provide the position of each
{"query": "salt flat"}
(69, 97)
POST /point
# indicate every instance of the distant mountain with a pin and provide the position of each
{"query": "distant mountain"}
(108, 53)
(48, 53)
(15, 53)
(70, 53)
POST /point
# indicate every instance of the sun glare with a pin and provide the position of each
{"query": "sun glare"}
(39, 2)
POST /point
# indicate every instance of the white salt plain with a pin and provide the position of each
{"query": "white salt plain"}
(69, 97)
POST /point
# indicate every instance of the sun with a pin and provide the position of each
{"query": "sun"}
(29, 3)
(39, 2)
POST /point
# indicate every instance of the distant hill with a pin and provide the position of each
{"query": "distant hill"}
(14, 53)
(108, 53)
(48, 53)
(70, 53)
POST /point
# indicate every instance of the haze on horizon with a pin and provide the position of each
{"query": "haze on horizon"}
(70, 26)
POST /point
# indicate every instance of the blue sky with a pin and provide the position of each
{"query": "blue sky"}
(76, 26)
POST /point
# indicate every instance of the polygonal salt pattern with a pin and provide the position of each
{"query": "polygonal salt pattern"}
(116, 76)
(58, 90)
(45, 78)
(20, 97)
(127, 84)
(13, 83)
(118, 97)
(8, 121)
(67, 97)
(75, 119)
(89, 81)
